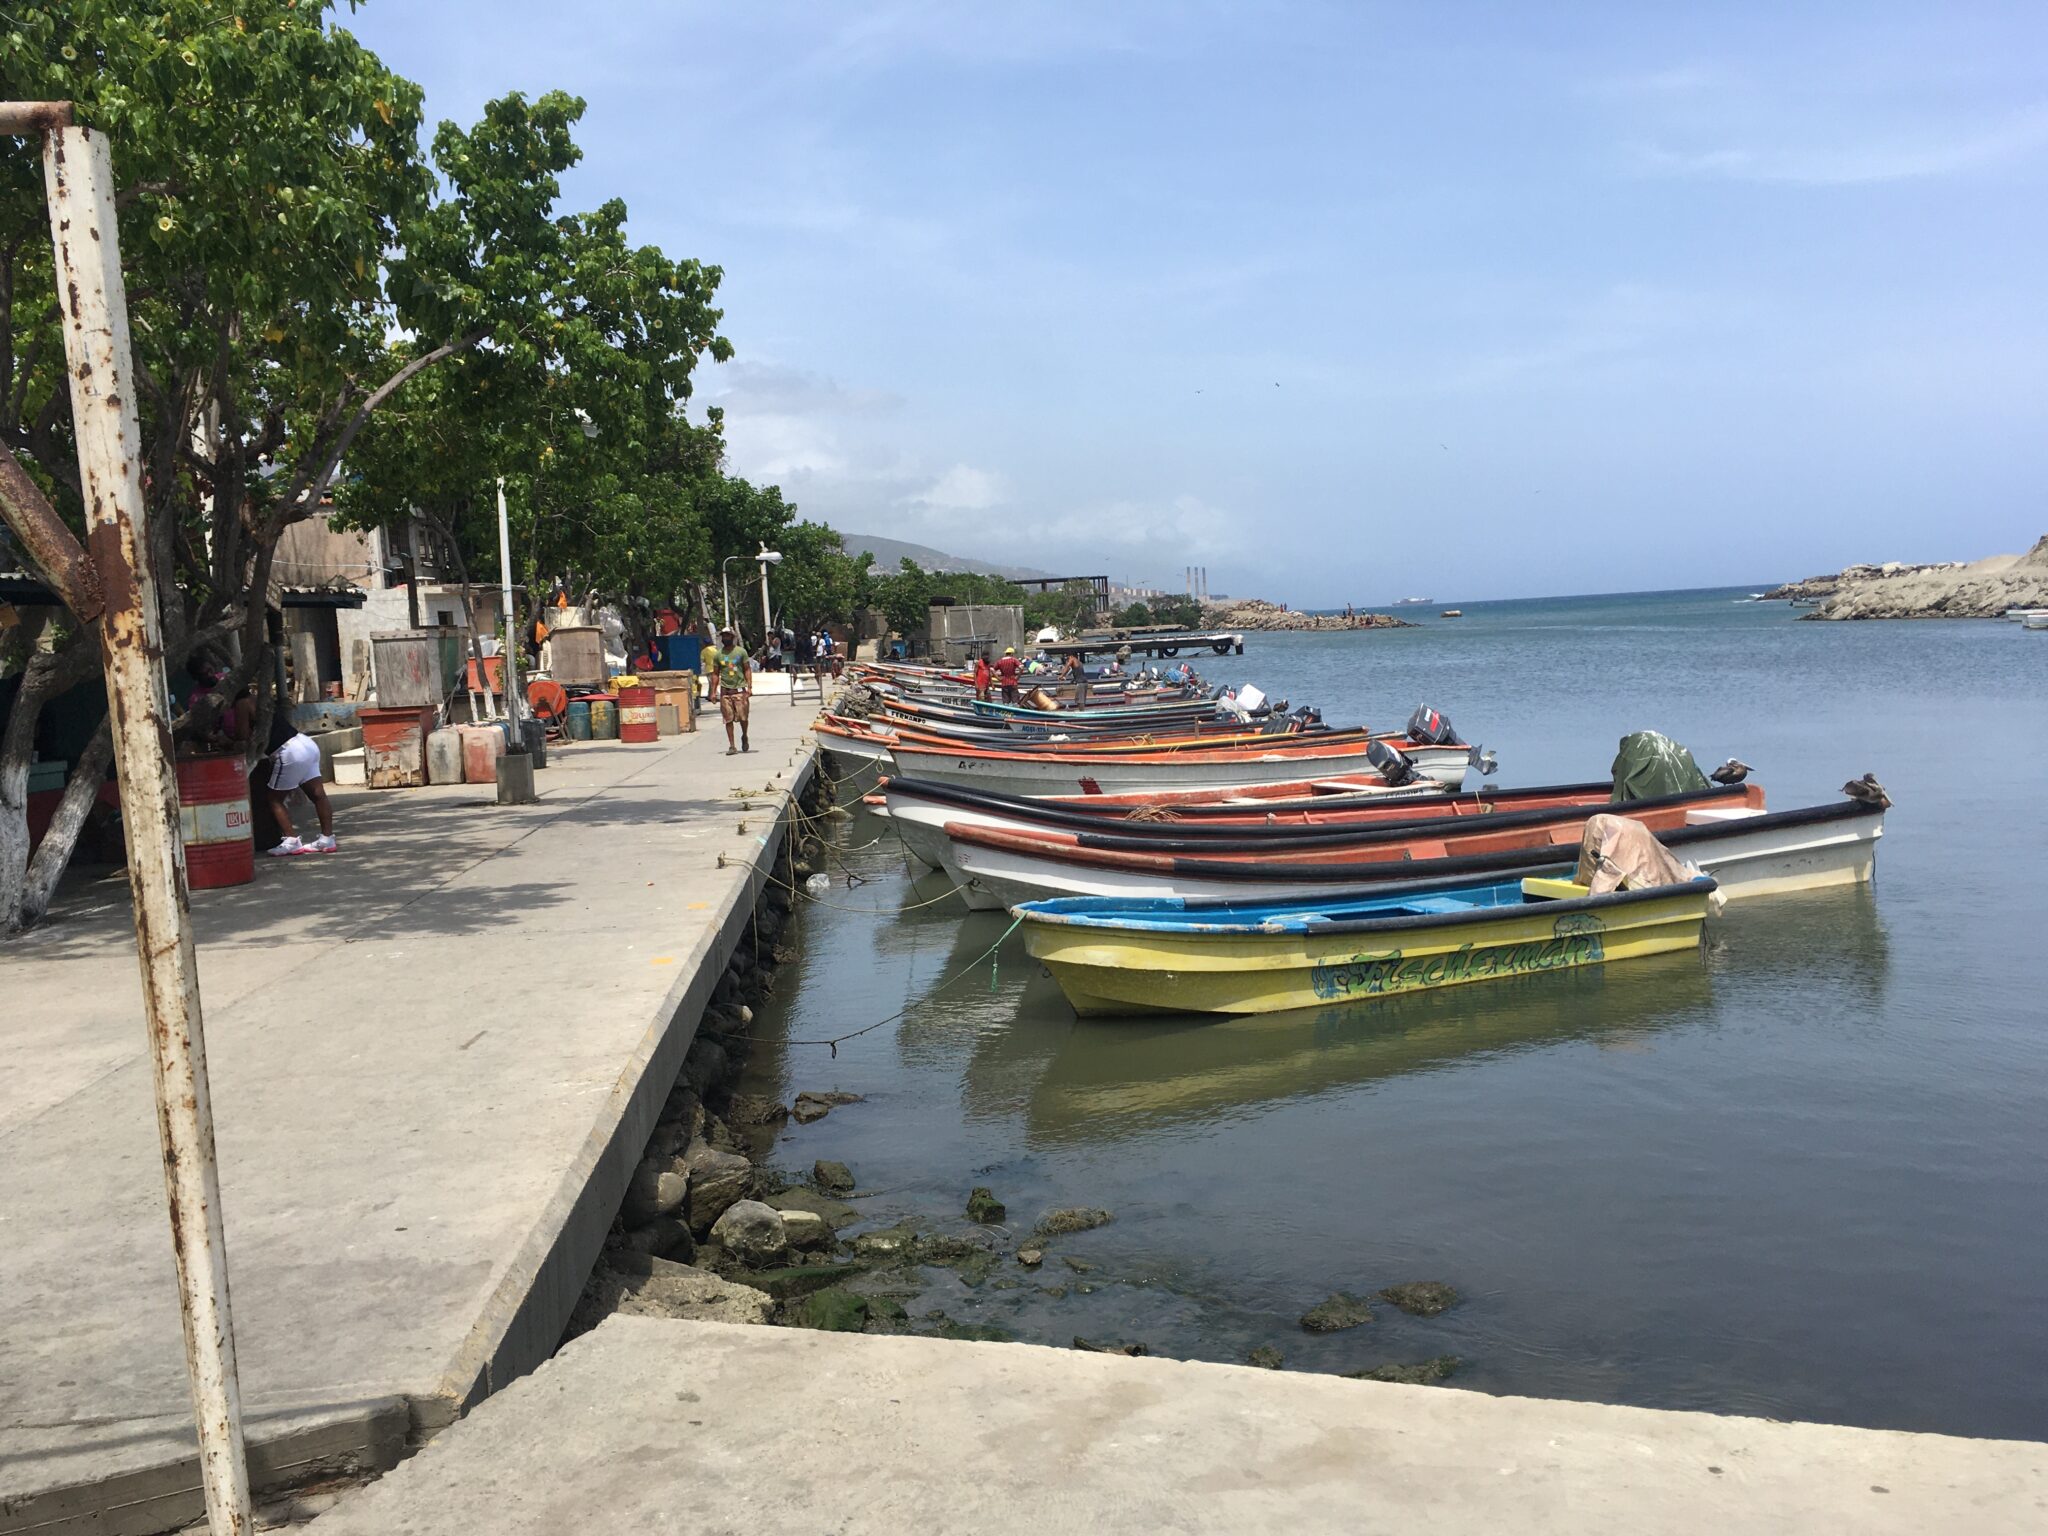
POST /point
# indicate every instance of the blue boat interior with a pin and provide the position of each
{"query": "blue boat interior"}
(1167, 913)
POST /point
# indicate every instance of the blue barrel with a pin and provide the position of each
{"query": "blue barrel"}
(578, 724)
(681, 653)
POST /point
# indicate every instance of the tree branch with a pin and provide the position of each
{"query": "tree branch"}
(59, 557)
(316, 486)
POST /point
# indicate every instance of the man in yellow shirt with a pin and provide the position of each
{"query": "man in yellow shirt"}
(732, 686)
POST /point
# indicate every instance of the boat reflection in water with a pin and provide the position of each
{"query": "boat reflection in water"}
(1811, 949)
(1115, 1080)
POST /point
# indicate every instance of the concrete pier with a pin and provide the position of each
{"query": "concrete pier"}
(435, 1060)
(653, 1426)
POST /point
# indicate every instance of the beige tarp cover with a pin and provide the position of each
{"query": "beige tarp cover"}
(1618, 854)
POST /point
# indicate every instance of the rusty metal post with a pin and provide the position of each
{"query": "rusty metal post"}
(79, 175)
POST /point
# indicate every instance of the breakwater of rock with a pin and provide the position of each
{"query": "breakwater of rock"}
(1980, 589)
(1257, 614)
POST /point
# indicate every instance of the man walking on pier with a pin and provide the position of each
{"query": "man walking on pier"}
(732, 686)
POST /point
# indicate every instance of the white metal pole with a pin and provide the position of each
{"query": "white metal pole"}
(80, 177)
(512, 695)
(767, 624)
(725, 582)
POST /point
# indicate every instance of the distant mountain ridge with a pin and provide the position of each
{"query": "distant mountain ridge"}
(889, 553)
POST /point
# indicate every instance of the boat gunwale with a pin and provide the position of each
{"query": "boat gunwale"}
(994, 801)
(1455, 868)
(1040, 915)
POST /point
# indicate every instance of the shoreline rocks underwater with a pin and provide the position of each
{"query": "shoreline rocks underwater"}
(713, 1228)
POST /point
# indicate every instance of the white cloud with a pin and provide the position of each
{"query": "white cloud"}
(963, 488)
(1875, 156)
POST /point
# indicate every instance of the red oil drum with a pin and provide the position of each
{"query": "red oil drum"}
(213, 816)
(636, 714)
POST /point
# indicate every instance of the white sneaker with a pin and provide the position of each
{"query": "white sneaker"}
(323, 844)
(287, 848)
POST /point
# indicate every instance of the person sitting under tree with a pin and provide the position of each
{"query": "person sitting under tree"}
(732, 687)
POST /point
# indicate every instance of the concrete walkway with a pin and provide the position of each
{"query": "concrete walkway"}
(435, 1058)
(651, 1426)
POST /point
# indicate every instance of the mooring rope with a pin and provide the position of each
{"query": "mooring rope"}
(988, 954)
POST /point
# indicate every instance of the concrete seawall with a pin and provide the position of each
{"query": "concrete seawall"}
(436, 1058)
(649, 1425)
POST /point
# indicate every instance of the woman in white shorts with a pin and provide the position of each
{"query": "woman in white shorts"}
(293, 763)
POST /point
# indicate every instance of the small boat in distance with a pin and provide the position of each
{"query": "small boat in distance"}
(2035, 621)
(1412, 602)
(1452, 613)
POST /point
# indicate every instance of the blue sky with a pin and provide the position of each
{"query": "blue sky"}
(1341, 301)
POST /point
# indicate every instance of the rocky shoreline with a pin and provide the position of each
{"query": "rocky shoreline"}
(711, 1229)
(1981, 589)
(1258, 614)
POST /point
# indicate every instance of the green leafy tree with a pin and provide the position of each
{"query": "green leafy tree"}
(266, 162)
(1184, 611)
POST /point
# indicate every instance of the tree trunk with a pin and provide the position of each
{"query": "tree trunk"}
(46, 675)
(53, 854)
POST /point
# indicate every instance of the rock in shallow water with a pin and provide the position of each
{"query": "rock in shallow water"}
(1421, 1298)
(1109, 1346)
(1266, 1358)
(1423, 1373)
(1342, 1310)
(754, 1109)
(1073, 1218)
(816, 1106)
(888, 1243)
(753, 1234)
(837, 1213)
(806, 1229)
(984, 1207)
(833, 1178)
(832, 1311)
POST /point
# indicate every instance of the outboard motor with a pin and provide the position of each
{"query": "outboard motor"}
(1429, 726)
(1390, 764)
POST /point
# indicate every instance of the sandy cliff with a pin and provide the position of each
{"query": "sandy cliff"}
(1981, 589)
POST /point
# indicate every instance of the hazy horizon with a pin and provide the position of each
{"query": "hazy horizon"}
(1341, 302)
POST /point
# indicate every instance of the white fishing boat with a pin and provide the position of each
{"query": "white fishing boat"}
(1751, 853)
(920, 821)
(1052, 773)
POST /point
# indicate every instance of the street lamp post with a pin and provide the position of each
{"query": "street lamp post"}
(511, 623)
(725, 582)
(767, 557)
(773, 558)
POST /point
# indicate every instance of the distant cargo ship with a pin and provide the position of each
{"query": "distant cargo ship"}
(1412, 602)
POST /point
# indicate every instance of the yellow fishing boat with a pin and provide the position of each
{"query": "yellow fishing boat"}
(1167, 955)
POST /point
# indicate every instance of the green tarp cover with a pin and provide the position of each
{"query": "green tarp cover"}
(1649, 765)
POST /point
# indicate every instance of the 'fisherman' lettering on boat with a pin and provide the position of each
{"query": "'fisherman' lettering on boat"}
(1377, 975)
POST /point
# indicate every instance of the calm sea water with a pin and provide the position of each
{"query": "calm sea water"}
(1800, 1174)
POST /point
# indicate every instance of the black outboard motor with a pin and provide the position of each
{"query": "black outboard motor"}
(1427, 725)
(1390, 764)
